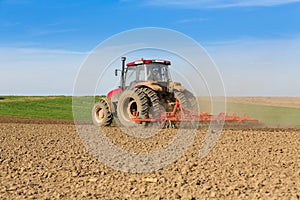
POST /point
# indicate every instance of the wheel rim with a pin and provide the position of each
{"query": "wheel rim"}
(131, 108)
(100, 115)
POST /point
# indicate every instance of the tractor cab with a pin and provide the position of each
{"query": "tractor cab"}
(145, 71)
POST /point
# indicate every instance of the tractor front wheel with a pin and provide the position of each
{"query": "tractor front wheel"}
(101, 113)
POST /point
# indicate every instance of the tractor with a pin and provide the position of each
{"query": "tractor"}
(146, 90)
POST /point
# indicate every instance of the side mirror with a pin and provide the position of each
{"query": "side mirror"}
(116, 72)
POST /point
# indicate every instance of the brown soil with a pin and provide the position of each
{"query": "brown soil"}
(28, 120)
(50, 161)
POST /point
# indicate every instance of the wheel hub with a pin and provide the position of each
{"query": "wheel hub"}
(100, 114)
(132, 108)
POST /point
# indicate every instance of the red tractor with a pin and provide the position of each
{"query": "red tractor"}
(145, 90)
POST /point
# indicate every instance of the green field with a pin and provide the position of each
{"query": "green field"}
(60, 107)
(54, 107)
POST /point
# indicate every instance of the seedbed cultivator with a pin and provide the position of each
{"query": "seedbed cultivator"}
(190, 118)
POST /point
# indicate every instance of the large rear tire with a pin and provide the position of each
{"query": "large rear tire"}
(101, 113)
(181, 98)
(131, 102)
(192, 102)
(155, 108)
(153, 100)
(189, 101)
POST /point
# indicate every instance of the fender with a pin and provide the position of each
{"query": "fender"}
(114, 92)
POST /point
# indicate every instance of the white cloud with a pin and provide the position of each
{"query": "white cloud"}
(217, 3)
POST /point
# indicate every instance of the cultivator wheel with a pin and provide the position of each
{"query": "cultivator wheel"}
(132, 102)
(101, 113)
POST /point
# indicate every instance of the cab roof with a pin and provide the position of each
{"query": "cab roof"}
(142, 61)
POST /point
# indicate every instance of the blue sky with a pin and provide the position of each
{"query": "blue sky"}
(255, 44)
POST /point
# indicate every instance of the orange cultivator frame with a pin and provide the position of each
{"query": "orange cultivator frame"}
(180, 114)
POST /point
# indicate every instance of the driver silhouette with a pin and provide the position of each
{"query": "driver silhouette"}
(154, 75)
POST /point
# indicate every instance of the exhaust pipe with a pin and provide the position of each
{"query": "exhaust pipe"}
(123, 59)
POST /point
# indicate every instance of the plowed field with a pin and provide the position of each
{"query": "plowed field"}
(46, 159)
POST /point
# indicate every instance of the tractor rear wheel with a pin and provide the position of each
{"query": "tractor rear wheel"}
(101, 113)
(189, 101)
(181, 98)
(154, 104)
(186, 99)
(192, 102)
(132, 102)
